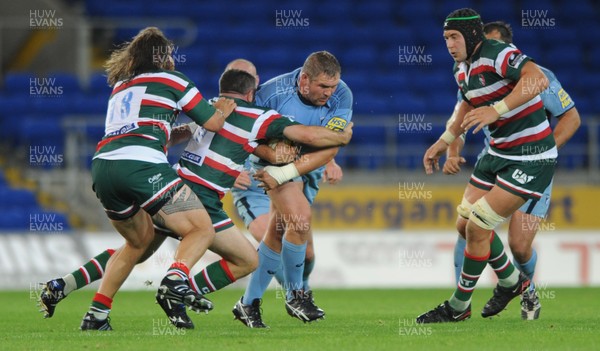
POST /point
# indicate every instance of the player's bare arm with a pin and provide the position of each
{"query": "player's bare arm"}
(319, 137)
(277, 152)
(432, 156)
(272, 176)
(567, 125)
(181, 134)
(333, 173)
(242, 181)
(453, 158)
(223, 108)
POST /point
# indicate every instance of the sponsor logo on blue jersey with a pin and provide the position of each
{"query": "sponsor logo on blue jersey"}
(337, 124)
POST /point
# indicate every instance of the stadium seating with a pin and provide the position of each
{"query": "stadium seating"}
(20, 209)
(365, 36)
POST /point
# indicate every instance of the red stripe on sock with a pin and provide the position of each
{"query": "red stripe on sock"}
(103, 299)
(181, 266)
(497, 258)
(227, 270)
(492, 236)
(209, 284)
(503, 268)
(463, 289)
(475, 258)
(98, 268)
(110, 251)
(84, 273)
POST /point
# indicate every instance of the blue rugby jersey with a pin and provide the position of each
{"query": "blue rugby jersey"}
(281, 94)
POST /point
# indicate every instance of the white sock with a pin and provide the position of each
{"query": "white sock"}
(70, 283)
(511, 280)
(458, 305)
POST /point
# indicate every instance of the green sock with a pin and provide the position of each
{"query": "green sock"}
(88, 273)
(471, 271)
(214, 277)
(505, 270)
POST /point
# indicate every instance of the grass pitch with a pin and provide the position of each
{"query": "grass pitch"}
(356, 320)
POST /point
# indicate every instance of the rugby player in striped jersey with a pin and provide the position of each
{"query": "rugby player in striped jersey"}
(500, 88)
(524, 223)
(133, 179)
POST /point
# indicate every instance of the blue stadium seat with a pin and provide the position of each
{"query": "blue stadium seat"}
(164, 9)
(496, 11)
(372, 11)
(43, 131)
(405, 101)
(339, 12)
(67, 81)
(372, 104)
(98, 84)
(249, 13)
(18, 197)
(416, 11)
(115, 8)
(34, 220)
(88, 104)
(443, 8)
(357, 57)
(14, 219)
(17, 83)
(355, 80)
(430, 34)
(11, 108)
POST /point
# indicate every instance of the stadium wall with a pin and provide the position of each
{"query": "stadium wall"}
(345, 259)
(421, 206)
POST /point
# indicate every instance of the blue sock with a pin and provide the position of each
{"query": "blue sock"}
(308, 268)
(528, 268)
(292, 260)
(269, 262)
(459, 256)
(279, 276)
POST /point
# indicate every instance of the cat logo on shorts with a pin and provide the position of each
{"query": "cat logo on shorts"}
(521, 176)
(336, 123)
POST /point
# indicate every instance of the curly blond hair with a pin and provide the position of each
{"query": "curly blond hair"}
(148, 51)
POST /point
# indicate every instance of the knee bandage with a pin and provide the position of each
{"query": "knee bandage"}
(464, 209)
(484, 216)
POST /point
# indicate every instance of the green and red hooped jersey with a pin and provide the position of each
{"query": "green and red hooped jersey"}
(522, 134)
(215, 160)
(142, 111)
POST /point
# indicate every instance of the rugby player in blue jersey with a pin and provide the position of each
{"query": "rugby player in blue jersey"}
(312, 95)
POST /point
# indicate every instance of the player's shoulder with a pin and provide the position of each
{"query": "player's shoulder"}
(174, 75)
(548, 73)
(342, 97)
(343, 88)
(173, 79)
(252, 110)
(492, 48)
